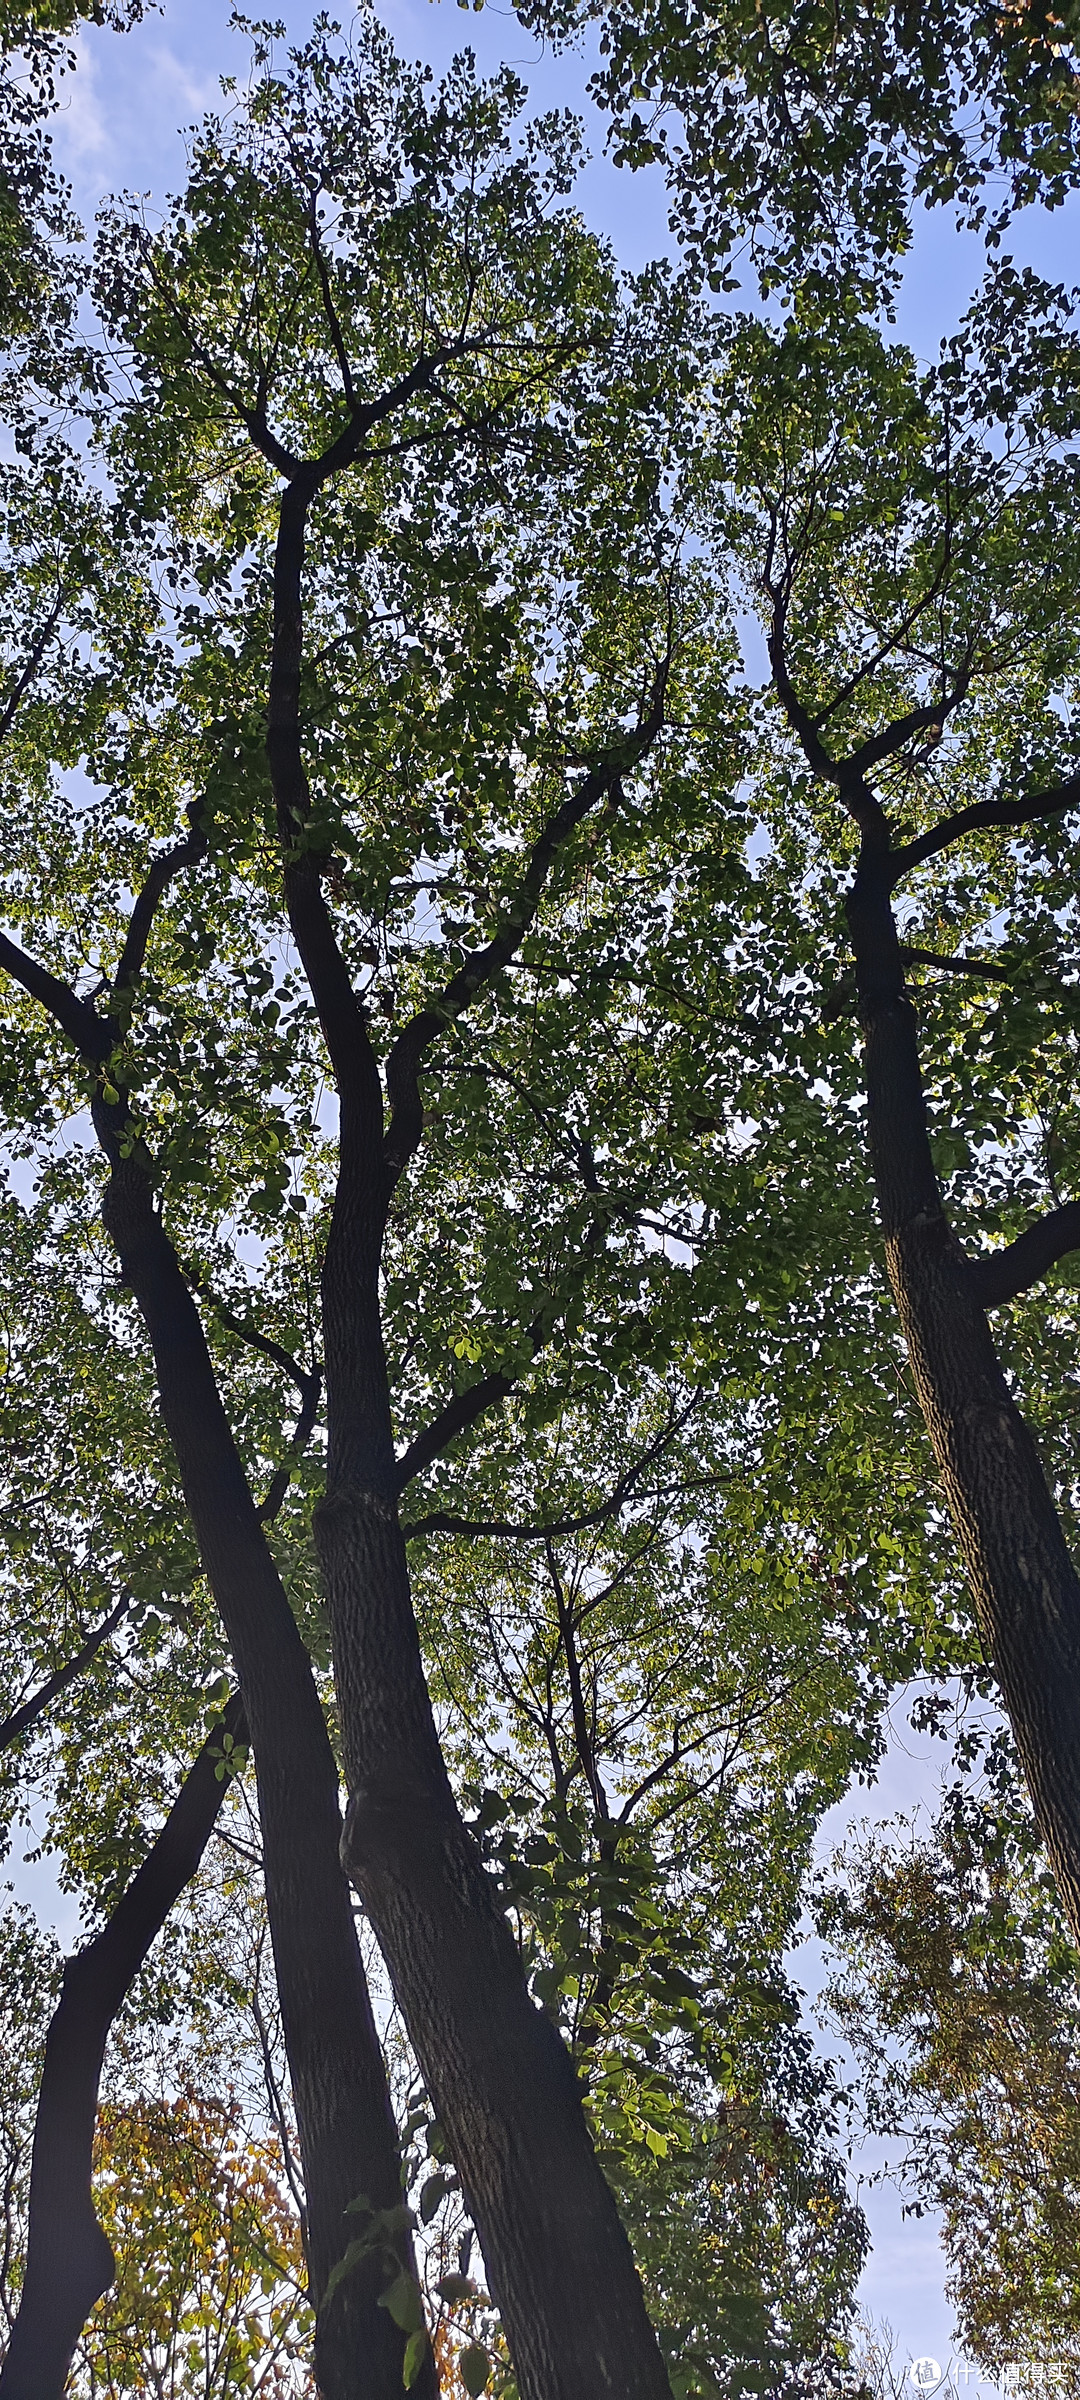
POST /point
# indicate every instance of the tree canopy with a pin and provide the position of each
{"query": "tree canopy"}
(479, 736)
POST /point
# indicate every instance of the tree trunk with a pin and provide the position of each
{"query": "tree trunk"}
(348, 2139)
(498, 2074)
(505, 2090)
(68, 2260)
(1026, 1590)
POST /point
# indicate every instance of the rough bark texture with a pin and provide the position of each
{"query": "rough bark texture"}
(347, 2135)
(495, 2067)
(559, 2262)
(69, 2263)
(1026, 1590)
(499, 2076)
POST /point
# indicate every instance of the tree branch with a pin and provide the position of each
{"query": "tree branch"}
(799, 718)
(269, 1508)
(956, 966)
(858, 799)
(983, 813)
(343, 451)
(579, 1715)
(30, 1710)
(848, 774)
(172, 862)
(459, 1413)
(91, 1035)
(481, 966)
(892, 738)
(69, 2262)
(329, 310)
(301, 1376)
(555, 1530)
(626, 1488)
(341, 1015)
(22, 682)
(1001, 1275)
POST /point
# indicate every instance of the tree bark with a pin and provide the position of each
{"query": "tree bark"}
(497, 2072)
(69, 2263)
(500, 2078)
(348, 2139)
(1025, 1587)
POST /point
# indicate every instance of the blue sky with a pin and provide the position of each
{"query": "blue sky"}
(119, 129)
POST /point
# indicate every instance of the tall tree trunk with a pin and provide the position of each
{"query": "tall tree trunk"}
(69, 2263)
(348, 2139)
(497, 2071)
(560, 2265)
(1025, 1587)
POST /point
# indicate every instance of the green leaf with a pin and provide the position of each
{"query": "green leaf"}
(403, 2302)
(350, 2259)
(432, 2194)
(474, 2368)
(416, 2350)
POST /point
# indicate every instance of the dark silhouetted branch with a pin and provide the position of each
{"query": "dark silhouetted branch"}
(481, 966)
(980, 967)
(69, 2262)
(279, 1483)
(89, 1034)
(626, 1489)
(981, 815)
(30, 1710)
(459, 1413)
(171, 863)
(1002, 1275)
(255, 1339)
(896, 737)
(23, 682)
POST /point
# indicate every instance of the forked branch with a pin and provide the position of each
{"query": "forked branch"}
(626, 1489)
(482, 966)
(459, 1413)
(92, 1035)
(254, 1337)
(981, 968)
(24, 680)
(849, 775)
(89, 1034)
(161, 873)
(279, 1483)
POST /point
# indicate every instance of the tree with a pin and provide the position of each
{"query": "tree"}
(810, 142)
(493, 816)
(939, 612)
(420, 176)
(377, 709)
(956, 1986)
(68, 2260)
(935, 645)
(635, 1711)
(209, 2295)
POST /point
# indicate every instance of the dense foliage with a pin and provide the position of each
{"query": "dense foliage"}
(958, 1994)
(673, 1524)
